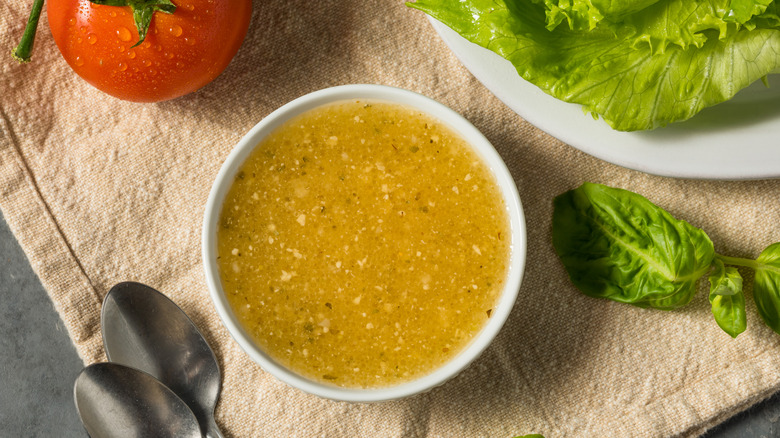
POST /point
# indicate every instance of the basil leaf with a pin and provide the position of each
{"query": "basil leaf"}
(727, 299)
(616, 244)
(723, 280)
(766, 286)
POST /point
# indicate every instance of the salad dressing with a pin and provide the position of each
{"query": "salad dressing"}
(363, 244)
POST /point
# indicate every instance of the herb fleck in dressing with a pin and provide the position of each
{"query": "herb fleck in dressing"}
(363, 244)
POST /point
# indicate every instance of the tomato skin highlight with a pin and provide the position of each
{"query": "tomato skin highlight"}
(182, 52)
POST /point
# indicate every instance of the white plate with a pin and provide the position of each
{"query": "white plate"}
(738, 139)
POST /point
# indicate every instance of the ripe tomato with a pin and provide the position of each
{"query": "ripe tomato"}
(181, 53)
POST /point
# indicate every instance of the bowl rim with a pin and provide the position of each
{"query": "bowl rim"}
(480, 145)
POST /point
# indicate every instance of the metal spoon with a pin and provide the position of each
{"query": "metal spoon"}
(144, 329)
(115, 401)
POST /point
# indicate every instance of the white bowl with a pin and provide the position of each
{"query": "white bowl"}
(380, 93)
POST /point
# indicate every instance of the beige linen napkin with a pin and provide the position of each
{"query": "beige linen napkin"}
(99, 191)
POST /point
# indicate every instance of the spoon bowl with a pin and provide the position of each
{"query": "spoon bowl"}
(115, 401)
(143, 329)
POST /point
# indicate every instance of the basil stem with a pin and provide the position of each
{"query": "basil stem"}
(748, 263)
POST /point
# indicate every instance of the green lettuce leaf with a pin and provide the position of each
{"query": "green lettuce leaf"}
(741, 11)
(769, 19)
(660, 21)
(681, 23)
(586, 14)
(662, 64)
(616, 244)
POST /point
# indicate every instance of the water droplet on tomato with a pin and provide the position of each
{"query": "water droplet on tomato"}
(131, 54)
(79, 40)
(152, 71)
(168, 55)
(121, 48)
(78, 61)
(176, 30)
(158, 47)
(179, 65)
(147, 63)
(190, 41)
(123, 34)
(122, 66)
(146, 44)
(83, 29)
(92, 38)
(112, 14)
(72, 22)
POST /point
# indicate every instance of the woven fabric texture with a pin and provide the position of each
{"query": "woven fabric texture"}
(99, 191)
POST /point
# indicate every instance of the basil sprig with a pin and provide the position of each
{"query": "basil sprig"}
(618, 245)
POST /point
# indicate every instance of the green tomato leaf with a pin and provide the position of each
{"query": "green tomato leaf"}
(616, 244)
(766, 286)
(727, 299)
(143, 10)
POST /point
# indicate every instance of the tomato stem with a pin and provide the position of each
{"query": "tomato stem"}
(143, 10)
(23, 51)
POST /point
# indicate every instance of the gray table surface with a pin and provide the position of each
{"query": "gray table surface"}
(38, 363)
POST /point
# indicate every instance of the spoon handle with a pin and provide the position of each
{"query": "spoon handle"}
(212, 430)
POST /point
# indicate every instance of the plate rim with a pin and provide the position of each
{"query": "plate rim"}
(693, 167)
